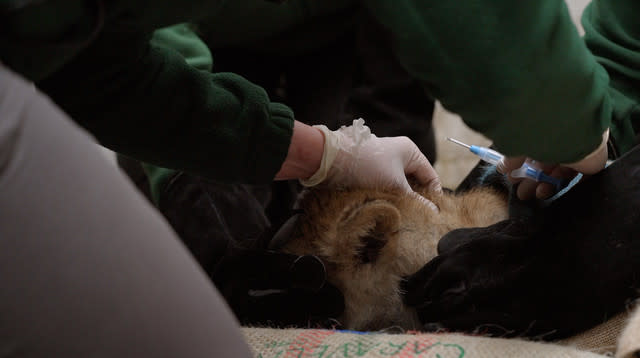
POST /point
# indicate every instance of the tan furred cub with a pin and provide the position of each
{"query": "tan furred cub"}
(370, 239)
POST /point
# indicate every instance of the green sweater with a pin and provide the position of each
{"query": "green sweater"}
(183, 39)
(516, 71)
(612, 33)
(144, 100)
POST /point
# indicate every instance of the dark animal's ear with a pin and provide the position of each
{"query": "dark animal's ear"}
(368, 228)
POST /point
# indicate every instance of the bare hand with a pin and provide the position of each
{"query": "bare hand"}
(528, 189)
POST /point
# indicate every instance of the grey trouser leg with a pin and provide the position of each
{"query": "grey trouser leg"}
(87, 267)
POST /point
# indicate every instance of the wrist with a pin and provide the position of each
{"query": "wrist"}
(305, 153)
(594, 161)
(329, 154)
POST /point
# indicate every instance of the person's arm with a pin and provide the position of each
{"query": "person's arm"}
(516, 71)
(304, 155)
(147, 102)
(612, 34)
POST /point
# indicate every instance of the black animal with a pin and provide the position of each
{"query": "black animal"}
(564, 269)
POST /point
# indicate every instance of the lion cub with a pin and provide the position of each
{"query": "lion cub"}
(370, 239)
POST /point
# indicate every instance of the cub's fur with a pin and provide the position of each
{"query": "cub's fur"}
(370, 239)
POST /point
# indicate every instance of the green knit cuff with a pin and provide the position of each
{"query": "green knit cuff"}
(275, 141)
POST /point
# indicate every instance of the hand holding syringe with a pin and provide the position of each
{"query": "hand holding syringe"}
(525, 171)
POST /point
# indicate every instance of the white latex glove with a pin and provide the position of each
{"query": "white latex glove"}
(353, 156)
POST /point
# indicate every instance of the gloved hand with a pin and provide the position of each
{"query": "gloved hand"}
(268, 287)
(353, 156)
(528, 188)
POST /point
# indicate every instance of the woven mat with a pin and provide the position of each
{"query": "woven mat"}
(280, 343)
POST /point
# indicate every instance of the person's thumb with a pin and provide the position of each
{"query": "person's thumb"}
(508, 164)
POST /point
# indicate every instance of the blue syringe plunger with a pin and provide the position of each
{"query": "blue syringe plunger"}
(527, 171)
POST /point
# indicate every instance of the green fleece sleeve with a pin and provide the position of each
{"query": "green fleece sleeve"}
(183, 39)
(516, 71)
(146, 102)
(612, 33)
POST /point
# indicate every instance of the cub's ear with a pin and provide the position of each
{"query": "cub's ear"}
(366, 229)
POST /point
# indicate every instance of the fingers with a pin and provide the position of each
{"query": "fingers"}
(421, 169)
(528, 189)
(363, 159)
(545, 190)
(509, 164)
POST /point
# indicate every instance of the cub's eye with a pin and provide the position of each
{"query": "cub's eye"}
(370, 250)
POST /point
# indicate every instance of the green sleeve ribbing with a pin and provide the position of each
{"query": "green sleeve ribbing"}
(148, 103)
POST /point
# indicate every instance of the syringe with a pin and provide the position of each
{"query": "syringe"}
(525, 171)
